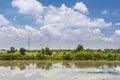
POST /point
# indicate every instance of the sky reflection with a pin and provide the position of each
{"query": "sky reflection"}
(59, 71)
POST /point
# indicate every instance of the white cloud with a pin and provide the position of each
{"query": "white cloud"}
(97, 31)
(117, 32)
(28, 6)
(99, 22)
(104, 12)
(64, 15)
(107, 39)
(63, 24)
(3, 21)
(12, 31)
(81, 7)
(117, 24)
(59, 20)
(32, 31)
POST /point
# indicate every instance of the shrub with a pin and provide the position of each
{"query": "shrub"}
(97, 56)
(22, 51)
(40, 56)
(79, 56)
(67, 56)
(109, 56)
(6, 57)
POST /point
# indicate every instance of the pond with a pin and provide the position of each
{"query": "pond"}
(66, 70)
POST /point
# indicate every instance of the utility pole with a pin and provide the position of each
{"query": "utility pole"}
(47, 45)
(29, 43)
(41, 46)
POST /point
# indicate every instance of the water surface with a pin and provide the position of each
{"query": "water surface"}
(12, 70)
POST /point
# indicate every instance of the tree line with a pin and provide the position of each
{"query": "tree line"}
(79, 53)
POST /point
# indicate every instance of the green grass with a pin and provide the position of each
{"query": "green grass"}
(47, 54)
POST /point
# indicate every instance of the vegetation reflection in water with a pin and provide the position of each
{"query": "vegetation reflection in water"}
(75, 70)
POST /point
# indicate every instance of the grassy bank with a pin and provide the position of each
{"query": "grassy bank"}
(46, 54)
(62, 55)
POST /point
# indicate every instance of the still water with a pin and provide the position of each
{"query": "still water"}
(12, 70)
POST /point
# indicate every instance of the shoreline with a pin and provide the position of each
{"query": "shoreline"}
(60, 60)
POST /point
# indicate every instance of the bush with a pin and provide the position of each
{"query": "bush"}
(57, 56)
(109, 56)
(40, 56)
(97, 56)
(6, 57)
(27, 57)
(79, 56)
(22, 51)
(67, 56)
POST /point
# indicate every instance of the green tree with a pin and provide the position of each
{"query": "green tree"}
(12, 50)
(22, 51)
(79, 47)
(42, 51)
(48, 51)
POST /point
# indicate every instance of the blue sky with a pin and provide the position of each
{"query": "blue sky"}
(60, 23)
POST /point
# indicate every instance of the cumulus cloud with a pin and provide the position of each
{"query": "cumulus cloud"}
(99, 22)
(12, 31)
(63, 24)
(28, 6)
(8, 30)
(81, 7)
(63, 15)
